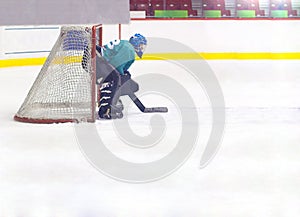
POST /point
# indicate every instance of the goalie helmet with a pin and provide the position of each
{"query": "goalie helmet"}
(139, 42)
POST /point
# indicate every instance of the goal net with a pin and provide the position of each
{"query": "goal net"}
(65, 89)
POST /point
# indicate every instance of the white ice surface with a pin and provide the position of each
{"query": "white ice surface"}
(256, 172)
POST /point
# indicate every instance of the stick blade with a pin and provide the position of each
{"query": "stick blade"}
(156, 109)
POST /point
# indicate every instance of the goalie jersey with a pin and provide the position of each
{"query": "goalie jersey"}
(119, 53)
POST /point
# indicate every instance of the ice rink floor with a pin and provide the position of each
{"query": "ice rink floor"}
(256, 172)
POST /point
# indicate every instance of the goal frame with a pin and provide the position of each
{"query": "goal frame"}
(97, 30)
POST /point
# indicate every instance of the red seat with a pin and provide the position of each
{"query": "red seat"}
(173, 5)
(187, 5)
(133, 5)
(193, 13)
(157, 4)
(140, 5)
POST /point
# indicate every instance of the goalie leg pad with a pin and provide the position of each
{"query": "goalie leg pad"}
(108, 109)
(105, 100)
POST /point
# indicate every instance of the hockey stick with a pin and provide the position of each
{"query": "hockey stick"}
(144, 109)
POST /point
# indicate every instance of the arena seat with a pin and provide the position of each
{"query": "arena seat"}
(143, 5)
(132, 5)
(187, 5)
(173, 5)
(157, 5)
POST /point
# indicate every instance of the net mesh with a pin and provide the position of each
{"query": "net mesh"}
(63, 90)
